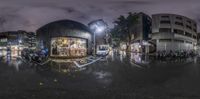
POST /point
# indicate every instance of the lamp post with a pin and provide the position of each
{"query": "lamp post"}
(94, 43)
(97, 26)
(19, 45)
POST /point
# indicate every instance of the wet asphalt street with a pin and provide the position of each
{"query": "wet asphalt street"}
(116, 77)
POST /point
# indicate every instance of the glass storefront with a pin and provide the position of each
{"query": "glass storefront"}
(136, 47)
(3, 51)
(68, 47)
(13, 51)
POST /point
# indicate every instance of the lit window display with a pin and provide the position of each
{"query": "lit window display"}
(3, 51)
(123, 46)
(68, 47)
(136, 47)
(15, 50)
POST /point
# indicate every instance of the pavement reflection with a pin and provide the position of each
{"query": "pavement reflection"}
(112, 76)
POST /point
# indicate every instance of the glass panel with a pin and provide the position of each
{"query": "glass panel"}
(68, 47)
(177, 31)
(165, 22)
(164, 30)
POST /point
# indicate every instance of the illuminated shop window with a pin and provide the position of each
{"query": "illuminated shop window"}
(68, 47)
(3, 40)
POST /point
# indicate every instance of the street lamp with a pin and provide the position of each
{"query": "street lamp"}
(97, 26)
(19, 46)
(20, 41)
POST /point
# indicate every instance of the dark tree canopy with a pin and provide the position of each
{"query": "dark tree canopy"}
(124, 28)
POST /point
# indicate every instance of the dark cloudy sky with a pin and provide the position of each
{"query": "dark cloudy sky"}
(31, 14)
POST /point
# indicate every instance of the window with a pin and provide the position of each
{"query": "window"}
(195, 25)
(188, 34)
(165, 40)
(165, 22)
(189, 27)
(188, 42)
(3, 40)
(189, 21)
(165, 30)
(198, 36)
(177, 31)
(179, 23)
(180, 41)
(164, 16)
(68, 47)
(194, 36)
(194, 30)
(179, 18)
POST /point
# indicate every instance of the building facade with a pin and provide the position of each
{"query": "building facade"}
(142, 29)
(65, 39)
(31, 40)
(198, 43)
(174, 32)
(13, 42)
(142, 32)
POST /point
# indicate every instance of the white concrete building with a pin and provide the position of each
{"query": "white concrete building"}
(174, 32)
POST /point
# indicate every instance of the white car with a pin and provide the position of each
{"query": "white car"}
(103, 50)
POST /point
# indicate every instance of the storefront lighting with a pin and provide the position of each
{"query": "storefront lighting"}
(20, 41)
(195, 47)
(100, 29)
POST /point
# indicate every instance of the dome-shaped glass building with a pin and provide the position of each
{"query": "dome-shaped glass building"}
(65, 39)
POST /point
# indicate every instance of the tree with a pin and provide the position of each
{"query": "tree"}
(124, 29)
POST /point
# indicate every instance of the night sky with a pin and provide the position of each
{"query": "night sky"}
(31, 14)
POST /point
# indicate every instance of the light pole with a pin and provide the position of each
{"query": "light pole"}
(97, 26)
(19, 46)
(94, 43)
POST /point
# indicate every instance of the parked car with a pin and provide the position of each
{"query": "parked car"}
(103, 50)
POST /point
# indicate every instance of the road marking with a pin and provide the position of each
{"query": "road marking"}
(80, 66)
(90, 59)
(137, 65)
(45, 62)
